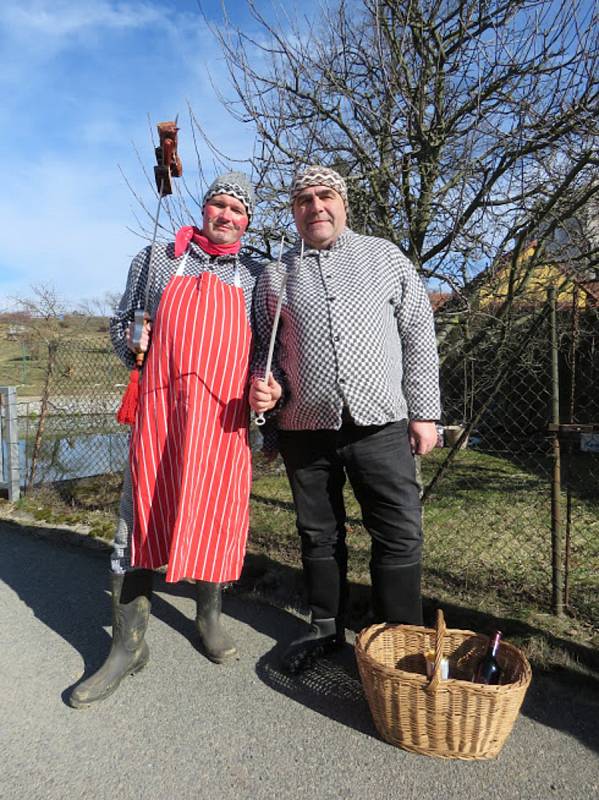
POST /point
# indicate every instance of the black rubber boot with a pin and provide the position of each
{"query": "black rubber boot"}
(324, 636)
(327, 590)
(396, 595)
(129, 653)
(218, 645)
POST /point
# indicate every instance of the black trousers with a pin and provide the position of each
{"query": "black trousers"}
(379, 464)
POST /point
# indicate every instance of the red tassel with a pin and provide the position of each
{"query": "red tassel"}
(128, 408)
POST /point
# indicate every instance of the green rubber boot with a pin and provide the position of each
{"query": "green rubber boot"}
(129, 652)
(217, 644)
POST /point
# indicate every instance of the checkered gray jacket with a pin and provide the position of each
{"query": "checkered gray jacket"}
(356, 330)
(164, 267)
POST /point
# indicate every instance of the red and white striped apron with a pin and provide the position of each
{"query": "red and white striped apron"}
(190, 454)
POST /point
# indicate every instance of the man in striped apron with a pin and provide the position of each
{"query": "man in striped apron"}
(185, 500)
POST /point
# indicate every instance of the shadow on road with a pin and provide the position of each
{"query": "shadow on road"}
(70, 595)
(331, 687)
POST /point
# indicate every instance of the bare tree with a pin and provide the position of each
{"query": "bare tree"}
(464, 127)
(102, 306)
(44, 306)
(466, 130)
(45, 312)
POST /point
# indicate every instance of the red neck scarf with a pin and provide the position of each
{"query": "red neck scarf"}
(190, 233)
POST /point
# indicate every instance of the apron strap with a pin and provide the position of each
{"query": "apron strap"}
(181, 267)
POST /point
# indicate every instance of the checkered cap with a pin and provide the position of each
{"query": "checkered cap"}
(235, 184)
(318, 175)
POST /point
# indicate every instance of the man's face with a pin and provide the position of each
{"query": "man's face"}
(225, 219)
(320, 215)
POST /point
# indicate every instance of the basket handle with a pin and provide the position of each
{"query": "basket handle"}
(439, 634)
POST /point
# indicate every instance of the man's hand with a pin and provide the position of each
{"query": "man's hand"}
(422, 435)
(144, 341)
(264, 396)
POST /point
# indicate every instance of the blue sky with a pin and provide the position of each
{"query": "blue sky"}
(78, 81)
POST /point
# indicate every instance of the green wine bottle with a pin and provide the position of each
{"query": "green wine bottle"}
(488, 670)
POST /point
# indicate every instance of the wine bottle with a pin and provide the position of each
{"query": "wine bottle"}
(488, 670)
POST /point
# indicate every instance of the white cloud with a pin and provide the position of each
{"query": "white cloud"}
(34, 34)
(59, 19)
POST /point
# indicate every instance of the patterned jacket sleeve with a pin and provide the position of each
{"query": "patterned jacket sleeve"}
(419, 345)
(255, 269)
(132, 299)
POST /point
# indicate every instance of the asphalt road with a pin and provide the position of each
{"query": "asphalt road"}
(187, 728)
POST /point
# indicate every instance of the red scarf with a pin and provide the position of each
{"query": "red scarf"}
(189, 233)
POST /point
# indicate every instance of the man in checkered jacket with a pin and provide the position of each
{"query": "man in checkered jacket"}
(355, 392)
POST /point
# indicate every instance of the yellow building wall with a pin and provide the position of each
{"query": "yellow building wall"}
(530, 284)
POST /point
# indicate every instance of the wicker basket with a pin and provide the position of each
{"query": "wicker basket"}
(451, 718)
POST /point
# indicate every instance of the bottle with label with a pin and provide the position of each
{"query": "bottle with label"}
(488, 670)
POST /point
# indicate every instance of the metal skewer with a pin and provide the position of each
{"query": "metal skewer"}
(260, 419)
(142, 315)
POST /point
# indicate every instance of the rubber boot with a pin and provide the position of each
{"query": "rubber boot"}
(129, 652)
(218, 645)
(326, 585)
(396, 595)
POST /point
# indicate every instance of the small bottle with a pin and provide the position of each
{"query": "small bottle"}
(430, 665)
(488, 670)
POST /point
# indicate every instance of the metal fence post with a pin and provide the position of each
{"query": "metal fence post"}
(11, 436)
(557, 545)
(574, 332)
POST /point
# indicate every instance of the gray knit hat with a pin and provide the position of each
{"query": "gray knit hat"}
(318, 175)
(235, 184)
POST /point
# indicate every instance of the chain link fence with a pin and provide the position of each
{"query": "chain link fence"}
(71, 431)
(511, 499)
